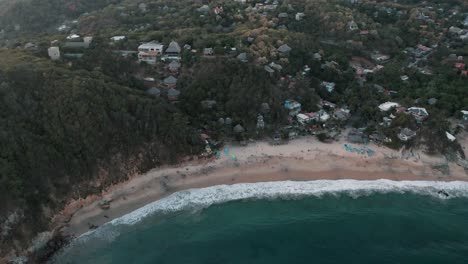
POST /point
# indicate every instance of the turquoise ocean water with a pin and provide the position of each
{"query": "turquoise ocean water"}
(313, 222)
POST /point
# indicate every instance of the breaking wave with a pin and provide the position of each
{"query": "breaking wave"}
(197, 199)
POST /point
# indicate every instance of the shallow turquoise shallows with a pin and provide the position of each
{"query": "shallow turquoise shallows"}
(333, 228)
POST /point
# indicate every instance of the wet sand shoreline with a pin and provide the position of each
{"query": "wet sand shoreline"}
(301, 160)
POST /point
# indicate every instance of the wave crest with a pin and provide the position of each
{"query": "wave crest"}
(205, 197)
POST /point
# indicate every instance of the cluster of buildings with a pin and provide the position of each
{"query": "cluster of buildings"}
(73, 47)
(327, 111)
(150, 52)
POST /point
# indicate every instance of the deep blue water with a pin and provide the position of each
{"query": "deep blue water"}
(377, 228)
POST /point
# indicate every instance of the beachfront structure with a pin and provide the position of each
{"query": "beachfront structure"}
(323, 115)
(149, 52)
(293, 107)
(303, 119)
(406, 134)
(54, 53)
(357, 136)
(342, 114)
(387, 106)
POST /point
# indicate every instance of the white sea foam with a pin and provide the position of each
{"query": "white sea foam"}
(205, 197)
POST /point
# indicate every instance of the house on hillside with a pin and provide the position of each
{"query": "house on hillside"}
(299, 16)
(174, 66)
(54, 53)
(143, 7)
(378, 57)
(74, 49)
(173, 94)
(352, 26)
(269, 70)
(275, 66)
(173, 51)
(329, 86)
(388, 106)
(75, 45)
(118, 38)
(73, 37)
(418, 112)
(284, 50)
(30, 46)
(170, 82)
(242, 57)
(464, 115)
(149, 52)
(208, 52)
(154, 92)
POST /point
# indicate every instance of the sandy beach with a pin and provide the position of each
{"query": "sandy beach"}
(302, 159)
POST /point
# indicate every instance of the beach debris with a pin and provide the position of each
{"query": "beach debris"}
(361, 150)
(443, 168)
(105, 204)
(92, 226)
(443, 193)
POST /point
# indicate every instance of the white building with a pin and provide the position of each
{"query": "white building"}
(87, 40)
(329, 86)
(54, 53)
(450, 137)
(406, 134)
(323, 115)
(418, 112)
(73, 36)
(149, 52)
(303, 119)
(464, 115)
(299, 16)
(118, 38)
(387, 106)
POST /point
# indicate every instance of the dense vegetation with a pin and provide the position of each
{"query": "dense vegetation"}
(70, 132)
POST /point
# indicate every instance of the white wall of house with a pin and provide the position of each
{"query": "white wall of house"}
(54, 53)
